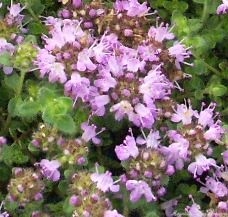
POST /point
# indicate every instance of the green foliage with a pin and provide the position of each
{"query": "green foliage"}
(13, 155)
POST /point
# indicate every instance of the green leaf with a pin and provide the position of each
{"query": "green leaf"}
(6, 59)
(12, 81)
(45, 96)
(218, 90)
(65, 123)
(36, 28)
(28, 109)
(13, 154)
(13, 106)
(5, 172)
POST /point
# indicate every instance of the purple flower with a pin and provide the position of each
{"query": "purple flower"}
(217, 187)
(223, 8)
(177, 152)
(78, 87)
(48, 65)
(151, 141)
(160, 33)
(90, 133)
(205, 117)
(180, 52)
(104, 181)
(84, 62)
(138, 189)
(15, 10)
(127, 149)
(168, 206)
(194, 210)
(3, 141)
(98, 104)
(201, 165)
(123, 108)
(133, 7)
(112, 213)
(184, 114)
(215, 132)
(49, 169)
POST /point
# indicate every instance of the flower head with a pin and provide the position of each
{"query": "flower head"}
(223, 8)
(127, 149)
(139, 189)
(50, 169)
(105, 182)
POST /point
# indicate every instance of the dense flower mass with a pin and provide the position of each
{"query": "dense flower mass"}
(94, 124)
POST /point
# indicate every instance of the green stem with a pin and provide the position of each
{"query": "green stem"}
(125, 204)
(205, 11)
(20, 86)
(211, 68)
(33, 14)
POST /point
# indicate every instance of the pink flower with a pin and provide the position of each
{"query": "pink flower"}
(160, 33)
(3, 141)
(151, 141)
(133, 7)
(90, 133)
(98, 104)
(50, 169)
(127, 149)
(194, 211)
(216, 187)
(84, 62)
(180, 52)
(112, 213)
(184, 114)
(201, 165)
(105, 182)
(205, 117)
(214, 133)
(138, 189)
(15, 9)
(145, 115)
(223, 8)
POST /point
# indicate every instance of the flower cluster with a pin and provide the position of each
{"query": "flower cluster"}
(125, 68)
(89, 199)
(26, 186)
(103, 70)
(11, 33)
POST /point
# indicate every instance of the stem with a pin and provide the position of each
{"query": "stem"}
(125, 204)
(20, 86)
(205, 11)
(33, 14)
(211, 68)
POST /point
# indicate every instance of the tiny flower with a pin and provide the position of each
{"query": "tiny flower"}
(160, 33)
(50, 169)
(138, 189)
(105, 182)
(90, 133)
(151, 141)
(201, 165)
(127, 149)
(3, 141)
(184, 114)
(217, 187)
(223, 8)
(112, 213)
(194, 211)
